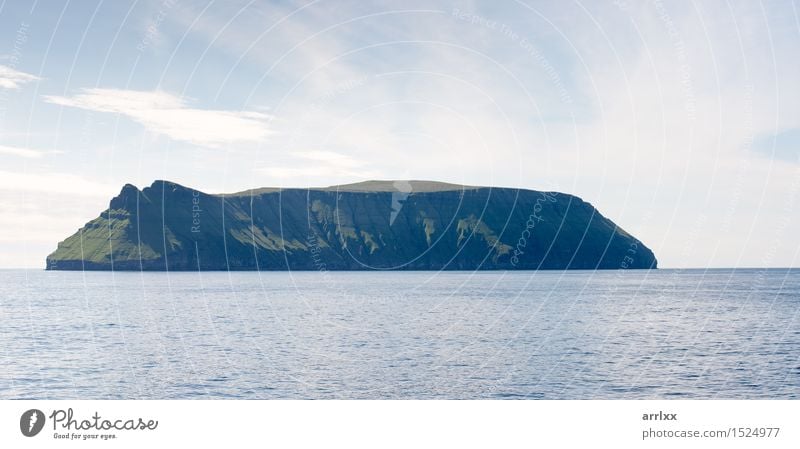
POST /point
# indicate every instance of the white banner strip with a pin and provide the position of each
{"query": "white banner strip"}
(400, 424)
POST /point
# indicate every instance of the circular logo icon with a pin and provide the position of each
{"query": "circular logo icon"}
(31, 422)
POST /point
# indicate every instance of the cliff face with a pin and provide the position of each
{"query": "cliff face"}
(410, 225)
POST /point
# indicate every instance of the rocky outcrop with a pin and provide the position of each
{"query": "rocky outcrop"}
(376, 225)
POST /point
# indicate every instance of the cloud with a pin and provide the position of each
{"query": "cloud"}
(53, 183)
(321, 164)
(167, 114)
(14, 79)
(330, 158)
(784, 145)
(21, 152)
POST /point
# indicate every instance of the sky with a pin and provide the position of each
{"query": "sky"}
(679, 120)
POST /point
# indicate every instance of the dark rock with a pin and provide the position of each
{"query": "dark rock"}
(407, 225)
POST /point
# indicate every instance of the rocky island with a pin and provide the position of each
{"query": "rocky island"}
(374, 225)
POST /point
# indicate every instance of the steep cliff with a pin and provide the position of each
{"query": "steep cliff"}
(409, 225)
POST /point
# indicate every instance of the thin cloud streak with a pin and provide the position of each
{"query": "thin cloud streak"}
(53, 183)
(321, 164)
(21, 152)
(169, 115)
(14, 79)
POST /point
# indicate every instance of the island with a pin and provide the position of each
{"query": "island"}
(373, 225)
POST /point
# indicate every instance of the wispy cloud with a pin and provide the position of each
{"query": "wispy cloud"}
(14, 79)
(24, 152)
(330, 158)
(170, 115)
(324, 164)
(784, 145)
(53, 183)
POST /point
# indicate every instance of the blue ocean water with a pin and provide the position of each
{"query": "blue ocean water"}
(413, 335)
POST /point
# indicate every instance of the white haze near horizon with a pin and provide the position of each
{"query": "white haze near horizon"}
(678, 120)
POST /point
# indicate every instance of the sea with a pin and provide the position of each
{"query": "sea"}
(650, 334)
